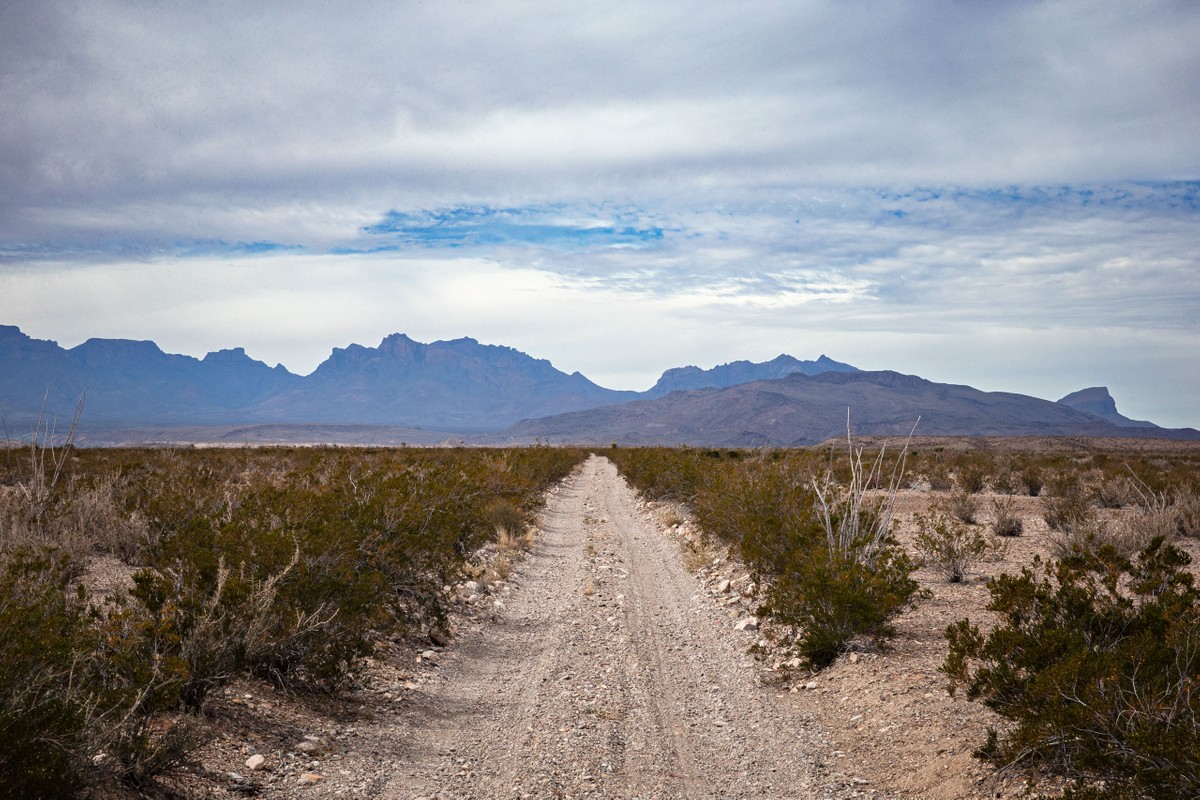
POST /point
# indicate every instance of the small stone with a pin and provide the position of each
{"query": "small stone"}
(439, 637)
(854, 658)
(723, 586)
(748, 624)
(429, 655)
(307, 747)
(810, 685)
(310, 777)
(255, 762)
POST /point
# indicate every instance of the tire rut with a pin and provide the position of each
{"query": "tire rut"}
(605, 674)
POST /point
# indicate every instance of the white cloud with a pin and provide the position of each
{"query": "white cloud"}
(860, 179)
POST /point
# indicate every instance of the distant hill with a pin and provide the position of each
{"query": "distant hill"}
(737, 372)
(1099, 403)
(804, 410)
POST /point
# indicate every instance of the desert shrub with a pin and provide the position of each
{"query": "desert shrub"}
(962, 505)
(663, 473)
(80, 689)
(1187, 510)
(1067, 511)
(1005, 521)
(762, 508)
(835, 600)
(135, 677)
(971, 476)
(1115, 493)
(1094, 664)
(43, 643)
(507, 520)
(859, 581)
(1005, 481)
(1032, 479)
(949, 546)
(939, 478)
(1124, 537)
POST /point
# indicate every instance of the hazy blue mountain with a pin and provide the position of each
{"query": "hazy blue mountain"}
(462, 386)
(130, 381)
(803, 410)
(454, 385)
(1099, 403)
(736, 372)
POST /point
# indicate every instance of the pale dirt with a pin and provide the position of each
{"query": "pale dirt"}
(606, 674)
(603, 668)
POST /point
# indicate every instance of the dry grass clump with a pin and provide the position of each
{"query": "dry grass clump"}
(1187, 510)
(1126, 536)
(1005, 520)
(1065, 512)
(1116, 493)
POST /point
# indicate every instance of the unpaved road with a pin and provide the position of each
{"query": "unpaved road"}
(606, 673)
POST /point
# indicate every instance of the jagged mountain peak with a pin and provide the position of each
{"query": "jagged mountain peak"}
(1097, 401)
(737, 372)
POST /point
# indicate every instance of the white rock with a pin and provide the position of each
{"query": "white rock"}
(255, 762)
(748, 624)
(723, 586)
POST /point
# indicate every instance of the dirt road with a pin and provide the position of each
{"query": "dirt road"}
(606, 673)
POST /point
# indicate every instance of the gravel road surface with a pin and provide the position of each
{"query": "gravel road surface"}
(607, 672)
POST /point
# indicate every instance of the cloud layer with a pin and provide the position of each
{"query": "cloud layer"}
(1003, 194)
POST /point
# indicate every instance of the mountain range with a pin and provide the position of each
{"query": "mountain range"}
(499, 394)
(805, 409)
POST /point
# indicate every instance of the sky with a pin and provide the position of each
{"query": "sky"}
(1001, 194)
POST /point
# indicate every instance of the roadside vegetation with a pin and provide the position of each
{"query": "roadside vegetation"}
(285, 564)
(135, 585)
(815, 526)
(1092, 663)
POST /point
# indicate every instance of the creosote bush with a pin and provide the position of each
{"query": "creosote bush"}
(949, 546)
(1094, 664)
(816, 528)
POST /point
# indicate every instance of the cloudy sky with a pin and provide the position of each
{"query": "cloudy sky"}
(1003, 194)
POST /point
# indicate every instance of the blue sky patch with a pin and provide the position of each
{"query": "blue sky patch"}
(552, 226)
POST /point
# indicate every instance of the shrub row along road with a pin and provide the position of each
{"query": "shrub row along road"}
(607, 673)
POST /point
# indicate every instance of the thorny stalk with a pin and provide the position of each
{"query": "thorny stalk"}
(855, 524)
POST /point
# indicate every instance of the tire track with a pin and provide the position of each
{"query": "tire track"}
(606, 674)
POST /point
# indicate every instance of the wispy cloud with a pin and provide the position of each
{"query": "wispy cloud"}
(986, 191)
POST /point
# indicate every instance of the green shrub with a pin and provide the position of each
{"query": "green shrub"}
(949, 546)
(1095, 664)
(835, 601)
(44, 641)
